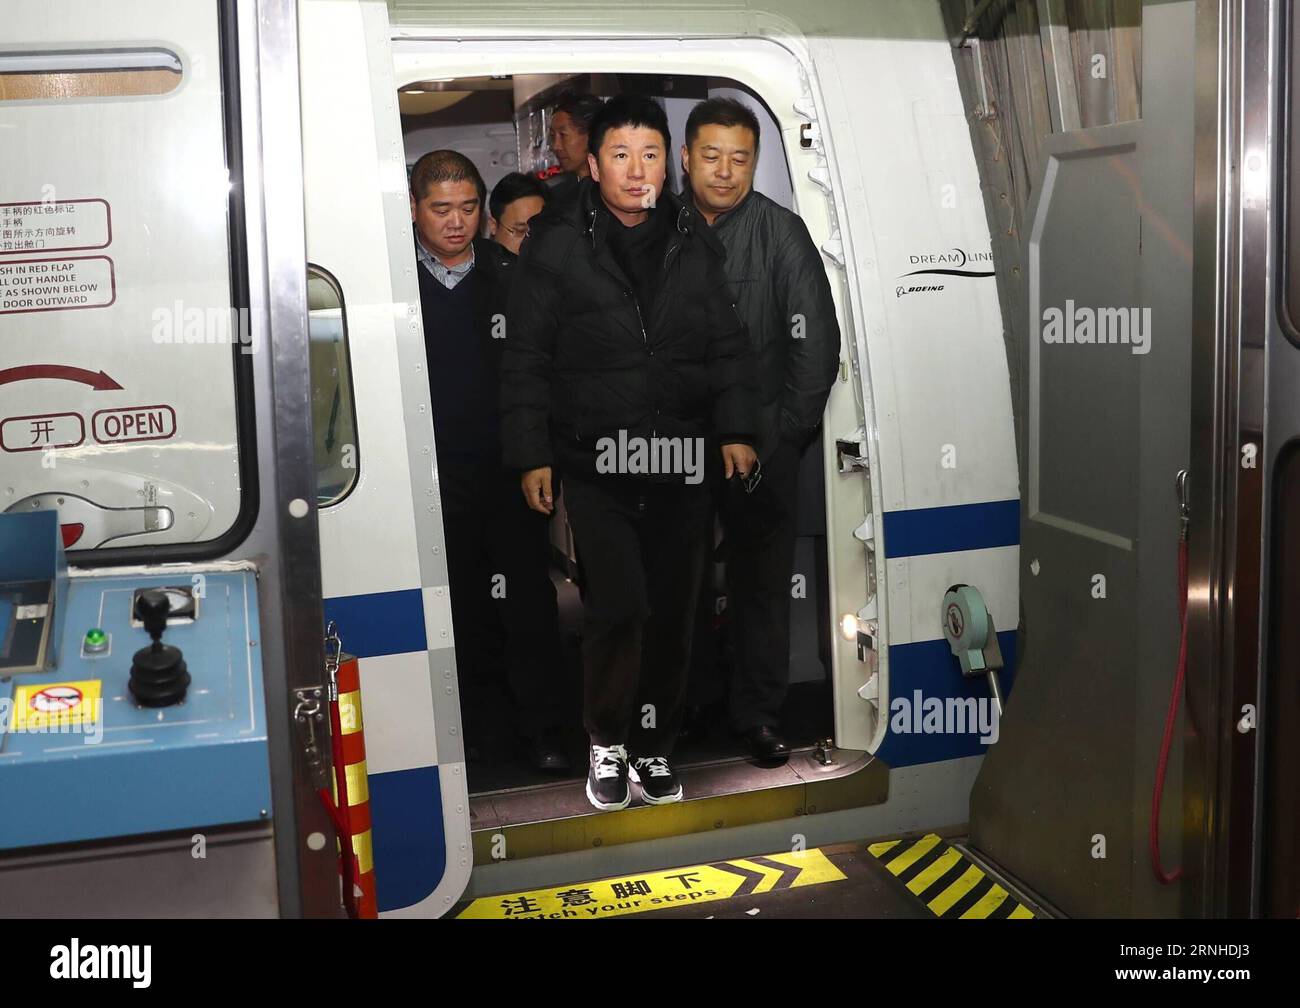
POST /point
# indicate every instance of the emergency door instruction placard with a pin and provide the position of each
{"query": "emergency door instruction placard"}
(42, 274)
(39, 285)
(39, 227)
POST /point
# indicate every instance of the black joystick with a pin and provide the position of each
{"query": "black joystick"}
(158, 674)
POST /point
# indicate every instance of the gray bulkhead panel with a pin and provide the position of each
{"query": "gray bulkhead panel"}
(1097, 217)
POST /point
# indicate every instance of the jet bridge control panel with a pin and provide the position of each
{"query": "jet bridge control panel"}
(129, 704)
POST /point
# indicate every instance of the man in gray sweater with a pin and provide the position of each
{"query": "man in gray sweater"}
(776, 275)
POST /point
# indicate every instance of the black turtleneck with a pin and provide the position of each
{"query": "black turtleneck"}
(639, 252)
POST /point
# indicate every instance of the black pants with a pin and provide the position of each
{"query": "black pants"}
(642, 548)
(503, 605)
(759, 534)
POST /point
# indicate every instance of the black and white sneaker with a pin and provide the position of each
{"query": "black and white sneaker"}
(659, 785)
(607, 787)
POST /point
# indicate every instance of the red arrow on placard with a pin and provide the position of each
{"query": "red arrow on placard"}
(97, 380)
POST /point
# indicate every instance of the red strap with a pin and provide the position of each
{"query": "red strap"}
(348, 867)
(336, 817)
(1166, 878)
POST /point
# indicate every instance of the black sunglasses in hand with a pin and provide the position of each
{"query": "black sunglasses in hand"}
(750, 482)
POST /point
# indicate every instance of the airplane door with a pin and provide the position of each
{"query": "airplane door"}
(383, 565)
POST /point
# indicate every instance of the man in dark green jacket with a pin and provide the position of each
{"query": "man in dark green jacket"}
(784, 298)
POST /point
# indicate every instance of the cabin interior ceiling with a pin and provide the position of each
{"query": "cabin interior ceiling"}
(494, 125)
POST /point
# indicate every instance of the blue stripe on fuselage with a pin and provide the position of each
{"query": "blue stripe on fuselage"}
(923, 531)
(382, 623)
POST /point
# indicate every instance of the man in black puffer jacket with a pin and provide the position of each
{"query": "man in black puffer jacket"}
(626, 371)
(785, 299)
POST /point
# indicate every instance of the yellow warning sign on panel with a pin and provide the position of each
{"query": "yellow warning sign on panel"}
(50, 706)
(947, 881)
(647, 891)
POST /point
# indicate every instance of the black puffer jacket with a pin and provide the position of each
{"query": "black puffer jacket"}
(582, 360)
(781, 289)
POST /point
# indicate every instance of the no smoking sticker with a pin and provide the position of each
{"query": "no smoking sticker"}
(40, 705)
(956, 624)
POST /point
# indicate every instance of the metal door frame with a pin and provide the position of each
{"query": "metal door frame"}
(284, 543)
(1235, 200)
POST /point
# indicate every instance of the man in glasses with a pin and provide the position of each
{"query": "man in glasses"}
(515, 200)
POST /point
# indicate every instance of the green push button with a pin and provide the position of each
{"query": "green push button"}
(96, 641)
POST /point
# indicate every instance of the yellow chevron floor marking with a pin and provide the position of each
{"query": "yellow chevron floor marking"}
(932, 871)
(935, 871)
(646, 891)
(987, 904)
(944, 901)
(913, 854)
(793, 859)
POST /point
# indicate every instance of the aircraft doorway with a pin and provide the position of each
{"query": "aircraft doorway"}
(506, 124)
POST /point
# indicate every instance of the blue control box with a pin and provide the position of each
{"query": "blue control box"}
(33, 589)
(81, 760)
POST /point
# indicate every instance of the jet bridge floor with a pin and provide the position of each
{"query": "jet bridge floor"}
(916, 878)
